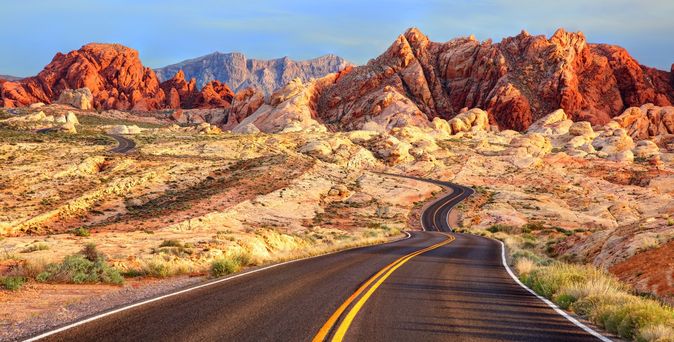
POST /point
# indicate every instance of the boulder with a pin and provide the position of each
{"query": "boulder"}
(123, 129)
(441, 126)
(389, 149)
(60, 119)
(531, 144)
(623, 156)
(475, 119)
(318, 149)
(246, 129)
(646, 149)
(581, 128)
(68, 127)
(555, 123)
(79, 98)
(613, 141)
(71, 117)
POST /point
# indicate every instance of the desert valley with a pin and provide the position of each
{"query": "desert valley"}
(232, 164)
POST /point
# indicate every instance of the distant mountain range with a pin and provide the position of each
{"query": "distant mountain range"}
(9, 78)
(238, 72)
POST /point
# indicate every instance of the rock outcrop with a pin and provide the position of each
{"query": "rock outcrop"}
(113, 73)
(474, 119)
(647, 121)
(241, 73)
(517, 81)
(110, 76)
(290, 109)
(78, 98)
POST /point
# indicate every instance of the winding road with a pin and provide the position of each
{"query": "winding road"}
(124, 144)
(432, 286)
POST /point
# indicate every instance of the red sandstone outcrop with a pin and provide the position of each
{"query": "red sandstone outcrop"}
(244, 103)
(517, 81)
(117, 80)
(647, 121)
(112, 72)
(215, 94)
(179, 92)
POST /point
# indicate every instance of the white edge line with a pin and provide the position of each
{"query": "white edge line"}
(147, 301)
(549, 303)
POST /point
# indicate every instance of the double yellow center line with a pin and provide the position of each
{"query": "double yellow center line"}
(377, 279)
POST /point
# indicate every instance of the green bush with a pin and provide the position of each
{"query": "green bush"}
(89, 266)
(222, 267)
(12, 283)
(81, 231)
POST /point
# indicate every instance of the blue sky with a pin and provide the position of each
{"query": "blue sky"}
(169, 31)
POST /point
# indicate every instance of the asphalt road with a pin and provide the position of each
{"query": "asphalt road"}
(124, 145)
(432, 286)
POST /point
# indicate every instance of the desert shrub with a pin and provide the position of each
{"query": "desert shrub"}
(231, 264)
(156, 268)
(628, 319)
(12, 283)
(243, 258)
(162, 266)
(91, 252)
(524, 266)
(171, 243)
(35, 247)
(32, 267)
(549, 280)
(223, 266)
(564, 231)
(600, 297)
(503, 228)
(659, 332)
(89, 266)
(81, 231)
(531, 226)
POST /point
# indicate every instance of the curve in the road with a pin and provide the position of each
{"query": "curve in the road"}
(124, 144)
(433, 286)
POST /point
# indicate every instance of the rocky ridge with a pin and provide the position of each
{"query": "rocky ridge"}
(516, 81)
(240, 73)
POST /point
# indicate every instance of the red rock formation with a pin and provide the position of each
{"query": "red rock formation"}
(114, 74)
(517, 81)
(117, 80)
(183, 94)
(180, 93)
(215, 94)
(244, 103)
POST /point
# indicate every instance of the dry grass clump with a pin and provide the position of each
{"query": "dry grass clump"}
(524, 266)
(603, 299)
(231, 264)
(164, 265)
(590, 292)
